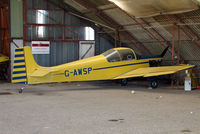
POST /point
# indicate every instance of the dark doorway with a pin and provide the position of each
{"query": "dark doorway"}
(4, 37)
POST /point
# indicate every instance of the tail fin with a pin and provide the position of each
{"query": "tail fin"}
(24, 64)
(164, 52)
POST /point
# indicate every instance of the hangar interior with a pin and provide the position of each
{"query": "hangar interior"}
(71, 30)
(147, 26)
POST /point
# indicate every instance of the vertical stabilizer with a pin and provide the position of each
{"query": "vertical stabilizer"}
(24, 65)
(164, 52)
(19, 69)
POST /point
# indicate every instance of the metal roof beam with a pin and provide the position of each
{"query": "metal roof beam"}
(150, 33)
(98, 13)
(170, 50)
(109, 8)
(147, 23)
(180, 20)
(65, 7)
(108, 20)
(186, 33)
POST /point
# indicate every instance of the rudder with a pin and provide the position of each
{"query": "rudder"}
(24, 65)
(19, 74)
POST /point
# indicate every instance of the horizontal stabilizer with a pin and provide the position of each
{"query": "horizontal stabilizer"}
(42, 72)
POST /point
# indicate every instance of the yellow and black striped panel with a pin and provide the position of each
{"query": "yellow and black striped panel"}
(19, 68)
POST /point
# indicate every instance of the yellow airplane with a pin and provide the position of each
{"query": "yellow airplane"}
(3, 58)
(116, 63)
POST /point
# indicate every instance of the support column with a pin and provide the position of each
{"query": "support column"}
(173, 51)
(115, 38)
(178, 57)
(120, 39)
(24, 22)
(173, 43)
(178, 48)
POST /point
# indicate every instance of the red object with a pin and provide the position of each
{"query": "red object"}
(40, 45)
(198, 87)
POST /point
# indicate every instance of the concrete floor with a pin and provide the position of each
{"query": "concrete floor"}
(98, 108)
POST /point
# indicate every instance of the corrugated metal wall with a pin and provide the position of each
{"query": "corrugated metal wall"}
(105, 45)
(60, 51)
(64, 52)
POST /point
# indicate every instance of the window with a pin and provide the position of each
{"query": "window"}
(112, 55)
(89, 33)
(126, 54)
(41, 20)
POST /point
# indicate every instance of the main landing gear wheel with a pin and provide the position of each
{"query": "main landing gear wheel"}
(124, 82)
(154, 83)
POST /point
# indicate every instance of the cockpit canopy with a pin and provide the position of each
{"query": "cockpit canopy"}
(119, 54)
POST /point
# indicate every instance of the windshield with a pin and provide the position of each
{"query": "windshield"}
(126, 54)
(112, 55)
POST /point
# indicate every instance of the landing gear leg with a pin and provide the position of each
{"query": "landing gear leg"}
(124, 82)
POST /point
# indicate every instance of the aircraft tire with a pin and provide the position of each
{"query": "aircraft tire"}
(124, 82)
(20, 90)
(154, 83)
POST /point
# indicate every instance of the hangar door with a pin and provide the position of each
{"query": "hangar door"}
(86, 49)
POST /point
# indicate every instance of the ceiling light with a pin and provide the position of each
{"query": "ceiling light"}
(115, 1)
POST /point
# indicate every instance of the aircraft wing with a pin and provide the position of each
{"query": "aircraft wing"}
(153, 71)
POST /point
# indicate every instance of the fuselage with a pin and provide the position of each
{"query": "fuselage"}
(93, 68)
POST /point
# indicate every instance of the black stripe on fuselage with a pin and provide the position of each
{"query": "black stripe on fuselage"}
(121, 65)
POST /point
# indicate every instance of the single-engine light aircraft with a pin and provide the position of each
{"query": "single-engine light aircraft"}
(117, 63)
